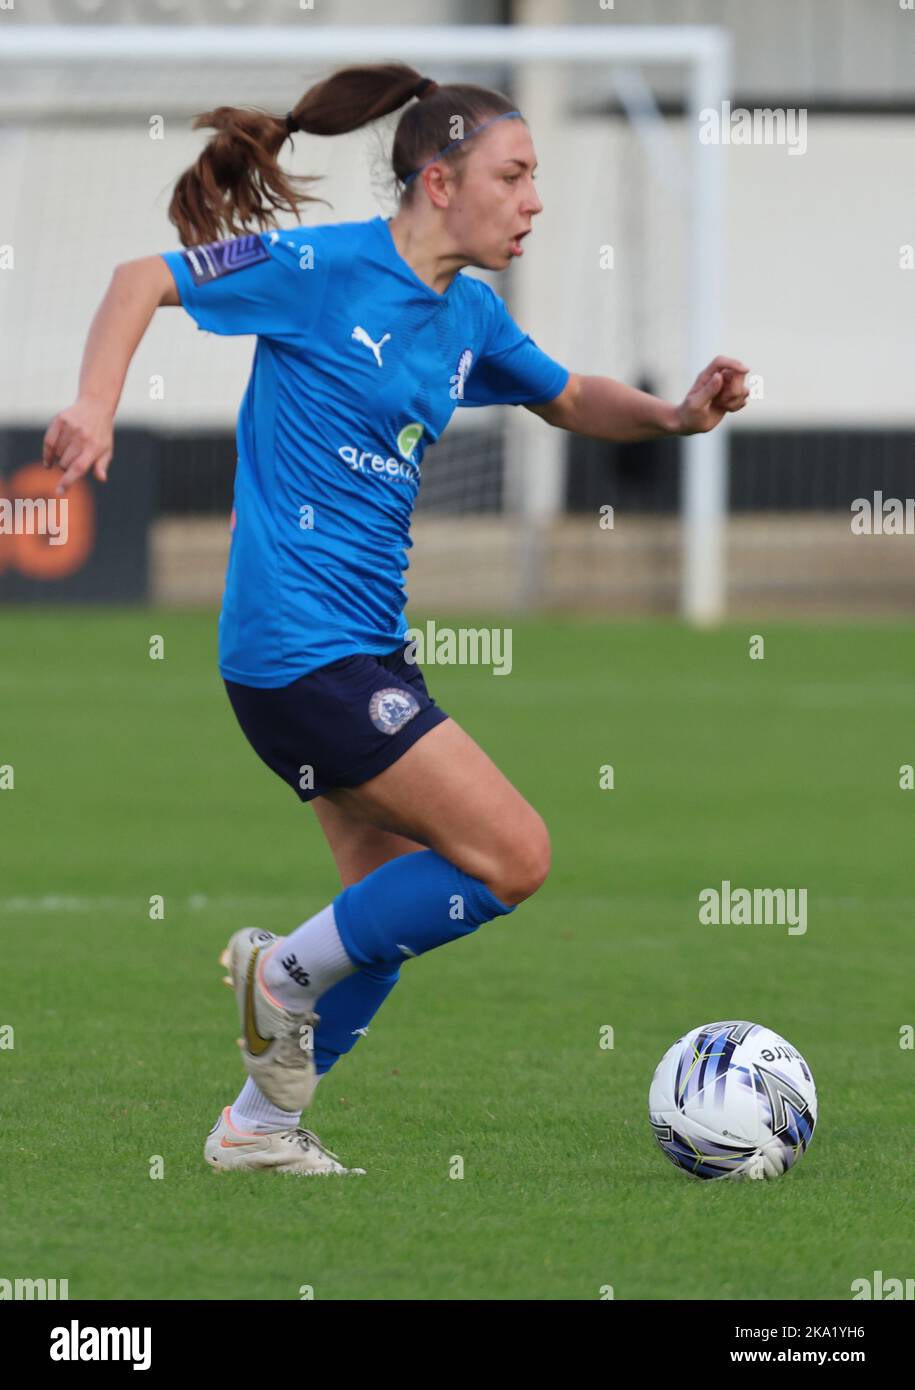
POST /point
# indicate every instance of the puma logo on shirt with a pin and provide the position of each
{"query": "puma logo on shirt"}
(360, 336)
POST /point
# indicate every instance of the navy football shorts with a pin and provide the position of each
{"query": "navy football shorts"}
(340, 725)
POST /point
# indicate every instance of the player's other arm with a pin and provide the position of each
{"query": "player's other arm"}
(79, 440)
(602, 408)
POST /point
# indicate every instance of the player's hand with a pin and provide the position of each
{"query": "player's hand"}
(78, 441)
(720, 390)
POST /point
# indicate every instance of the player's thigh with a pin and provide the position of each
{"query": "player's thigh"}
(446, 793)
(356, 844)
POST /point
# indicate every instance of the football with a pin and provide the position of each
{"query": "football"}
(733, 1100)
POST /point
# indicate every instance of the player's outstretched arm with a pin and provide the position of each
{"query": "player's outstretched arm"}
(79, 440)
(602, 408)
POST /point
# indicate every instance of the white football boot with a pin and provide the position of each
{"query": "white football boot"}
(285, 1151)
(276, 1044)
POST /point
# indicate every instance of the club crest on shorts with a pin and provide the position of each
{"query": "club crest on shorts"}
(390, 709)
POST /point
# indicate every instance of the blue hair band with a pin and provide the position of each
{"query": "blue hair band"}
(454, 144)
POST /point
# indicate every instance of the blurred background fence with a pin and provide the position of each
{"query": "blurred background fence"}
(814, 286)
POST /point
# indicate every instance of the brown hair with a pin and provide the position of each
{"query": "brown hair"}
(237, 185)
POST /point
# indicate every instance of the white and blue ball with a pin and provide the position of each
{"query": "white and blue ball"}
(733, 1100)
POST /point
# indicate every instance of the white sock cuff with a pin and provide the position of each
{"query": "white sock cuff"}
(253, 1111)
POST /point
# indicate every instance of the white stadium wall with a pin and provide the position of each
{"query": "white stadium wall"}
(816, 301)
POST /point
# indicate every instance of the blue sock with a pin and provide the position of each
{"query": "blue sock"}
(346, 1008)
(410, 905)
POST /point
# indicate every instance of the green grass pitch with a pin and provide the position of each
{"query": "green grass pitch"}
(132, 779)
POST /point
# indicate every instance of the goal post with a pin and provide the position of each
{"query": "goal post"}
(534, 453)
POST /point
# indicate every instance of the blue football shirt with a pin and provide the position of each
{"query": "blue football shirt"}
(358, 366)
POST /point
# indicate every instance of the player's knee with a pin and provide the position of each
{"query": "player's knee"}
(524, 864)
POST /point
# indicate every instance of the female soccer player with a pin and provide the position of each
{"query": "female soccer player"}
(368, 337)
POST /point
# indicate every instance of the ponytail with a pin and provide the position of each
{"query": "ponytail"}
(237, 185)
